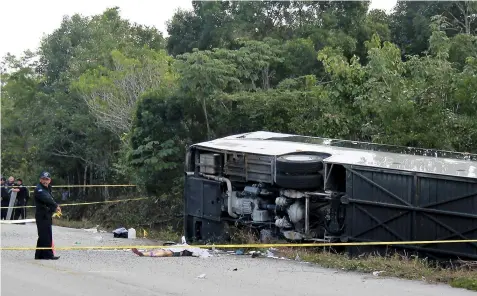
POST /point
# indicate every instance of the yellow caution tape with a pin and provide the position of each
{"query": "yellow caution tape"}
(84, 203)
(290, 245)
(102, 202)
(74, 186)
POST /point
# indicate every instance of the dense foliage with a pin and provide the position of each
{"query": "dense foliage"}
(104, 100)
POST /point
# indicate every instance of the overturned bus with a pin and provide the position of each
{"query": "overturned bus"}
(325, 190)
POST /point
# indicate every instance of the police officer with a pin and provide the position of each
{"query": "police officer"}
(45, 207)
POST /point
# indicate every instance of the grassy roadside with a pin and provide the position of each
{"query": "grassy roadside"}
(412, 268)
(463, 275)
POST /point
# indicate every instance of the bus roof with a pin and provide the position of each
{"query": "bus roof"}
(352, 153)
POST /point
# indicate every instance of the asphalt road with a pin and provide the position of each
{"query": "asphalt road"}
(117, 273)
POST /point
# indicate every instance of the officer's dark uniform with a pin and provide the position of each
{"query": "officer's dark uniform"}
(22, 200)
(45, 207)
(5, 200)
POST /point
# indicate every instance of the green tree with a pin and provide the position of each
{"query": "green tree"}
(112, 95)
(202, 76)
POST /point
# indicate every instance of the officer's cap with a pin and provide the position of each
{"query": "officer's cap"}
(45, 175)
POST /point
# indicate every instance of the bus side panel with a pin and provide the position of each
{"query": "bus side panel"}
(387, 205)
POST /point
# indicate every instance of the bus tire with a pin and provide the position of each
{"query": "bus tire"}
(303, 163)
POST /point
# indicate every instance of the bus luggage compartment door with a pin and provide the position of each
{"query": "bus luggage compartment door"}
(202, 208)
(203, 198)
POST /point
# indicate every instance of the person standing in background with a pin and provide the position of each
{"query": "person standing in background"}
(5, 199)
(11, 186)
(11, 181)
(10, 189)
(45, 207)
(22, 199)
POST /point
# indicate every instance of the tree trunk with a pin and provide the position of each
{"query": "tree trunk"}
(85, 175)
(91, 182)
(266, 78)
(78, 181)
(204, 108)
(466, 18)
(106, 193)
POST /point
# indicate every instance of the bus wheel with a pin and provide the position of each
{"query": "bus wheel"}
(303, 163)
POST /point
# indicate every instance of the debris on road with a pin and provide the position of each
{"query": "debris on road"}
(271, 254)
(120, 233)
(92, 230)
(168, 243)
(131, 233)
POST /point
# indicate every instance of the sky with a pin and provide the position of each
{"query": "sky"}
(24, 22)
